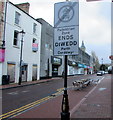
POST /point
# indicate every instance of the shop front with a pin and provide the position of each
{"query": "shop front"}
(80, 68)
(72, 68)
(86, 70)
(56, 63)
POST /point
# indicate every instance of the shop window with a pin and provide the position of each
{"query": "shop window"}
(34, 40)
(47, 46)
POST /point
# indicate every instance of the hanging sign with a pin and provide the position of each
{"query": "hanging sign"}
(2, 55)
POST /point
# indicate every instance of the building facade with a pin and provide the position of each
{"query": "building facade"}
(80, 64)
(51, 66)
(16, 21)
(28, 44)
(2, 18)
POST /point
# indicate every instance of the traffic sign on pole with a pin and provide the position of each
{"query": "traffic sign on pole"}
(66, 28)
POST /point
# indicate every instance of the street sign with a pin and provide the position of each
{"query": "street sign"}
(66, 14)
(66, 40)
(66, 28)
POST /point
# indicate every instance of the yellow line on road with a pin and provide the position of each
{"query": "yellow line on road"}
(28, 106)
(24, 107)
(60, 89)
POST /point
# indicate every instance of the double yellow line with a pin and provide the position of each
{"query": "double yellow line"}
(28, 106)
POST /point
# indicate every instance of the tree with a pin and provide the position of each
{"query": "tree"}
(96, 64)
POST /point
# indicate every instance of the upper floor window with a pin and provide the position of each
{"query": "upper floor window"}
(34, 40)
(16, 40)
(17, 18)
(34, 28)
(47, 45)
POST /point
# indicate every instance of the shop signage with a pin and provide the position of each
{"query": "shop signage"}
(56, 61)
(34, 47)
(81, 65)
(2, 55)
(66, 28)
(72, 63)
(85, 66)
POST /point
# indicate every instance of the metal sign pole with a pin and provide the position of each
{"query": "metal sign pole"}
(66, 37)
(65, 115)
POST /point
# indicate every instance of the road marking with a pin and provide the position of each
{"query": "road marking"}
(23, 108)
(29, 106)
(101, 89)
(101, 79)
(13, 93)
(60, 89)
(25, 91)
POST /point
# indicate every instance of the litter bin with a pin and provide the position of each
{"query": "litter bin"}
(5, 79)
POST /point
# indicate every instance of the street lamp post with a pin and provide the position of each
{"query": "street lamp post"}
(20, 72)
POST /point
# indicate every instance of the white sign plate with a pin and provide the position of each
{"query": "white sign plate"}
(66, 40)
(66, 28)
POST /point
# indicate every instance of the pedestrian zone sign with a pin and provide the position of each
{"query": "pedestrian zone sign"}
(66, 28)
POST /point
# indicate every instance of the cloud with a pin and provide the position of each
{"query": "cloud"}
(95, 29)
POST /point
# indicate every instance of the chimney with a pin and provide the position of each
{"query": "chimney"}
(24, 6)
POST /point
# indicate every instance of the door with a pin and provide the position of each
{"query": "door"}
(11, 72)
(54, 70)
(34, 73)
(24, 73)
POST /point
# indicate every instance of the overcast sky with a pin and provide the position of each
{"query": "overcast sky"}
(94, 23)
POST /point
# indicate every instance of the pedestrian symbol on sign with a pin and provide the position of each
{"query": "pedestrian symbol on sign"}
(66, 13)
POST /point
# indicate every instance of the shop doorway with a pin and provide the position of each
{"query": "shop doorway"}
(34, 72)
(54, 70)
(24, 73)
(11, 72)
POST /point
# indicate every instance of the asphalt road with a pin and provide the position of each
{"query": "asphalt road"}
(17, 97)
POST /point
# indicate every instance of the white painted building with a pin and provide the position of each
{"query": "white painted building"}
(16, 21)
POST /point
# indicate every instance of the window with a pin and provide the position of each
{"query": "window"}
(17, 18)
(15, 42)
(34, 40)
(34, 28)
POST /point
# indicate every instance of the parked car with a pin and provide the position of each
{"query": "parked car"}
(106, 72)
(99, 73)
(103, 72)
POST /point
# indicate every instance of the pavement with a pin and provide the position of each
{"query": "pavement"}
(91, 103)
(15, 85)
